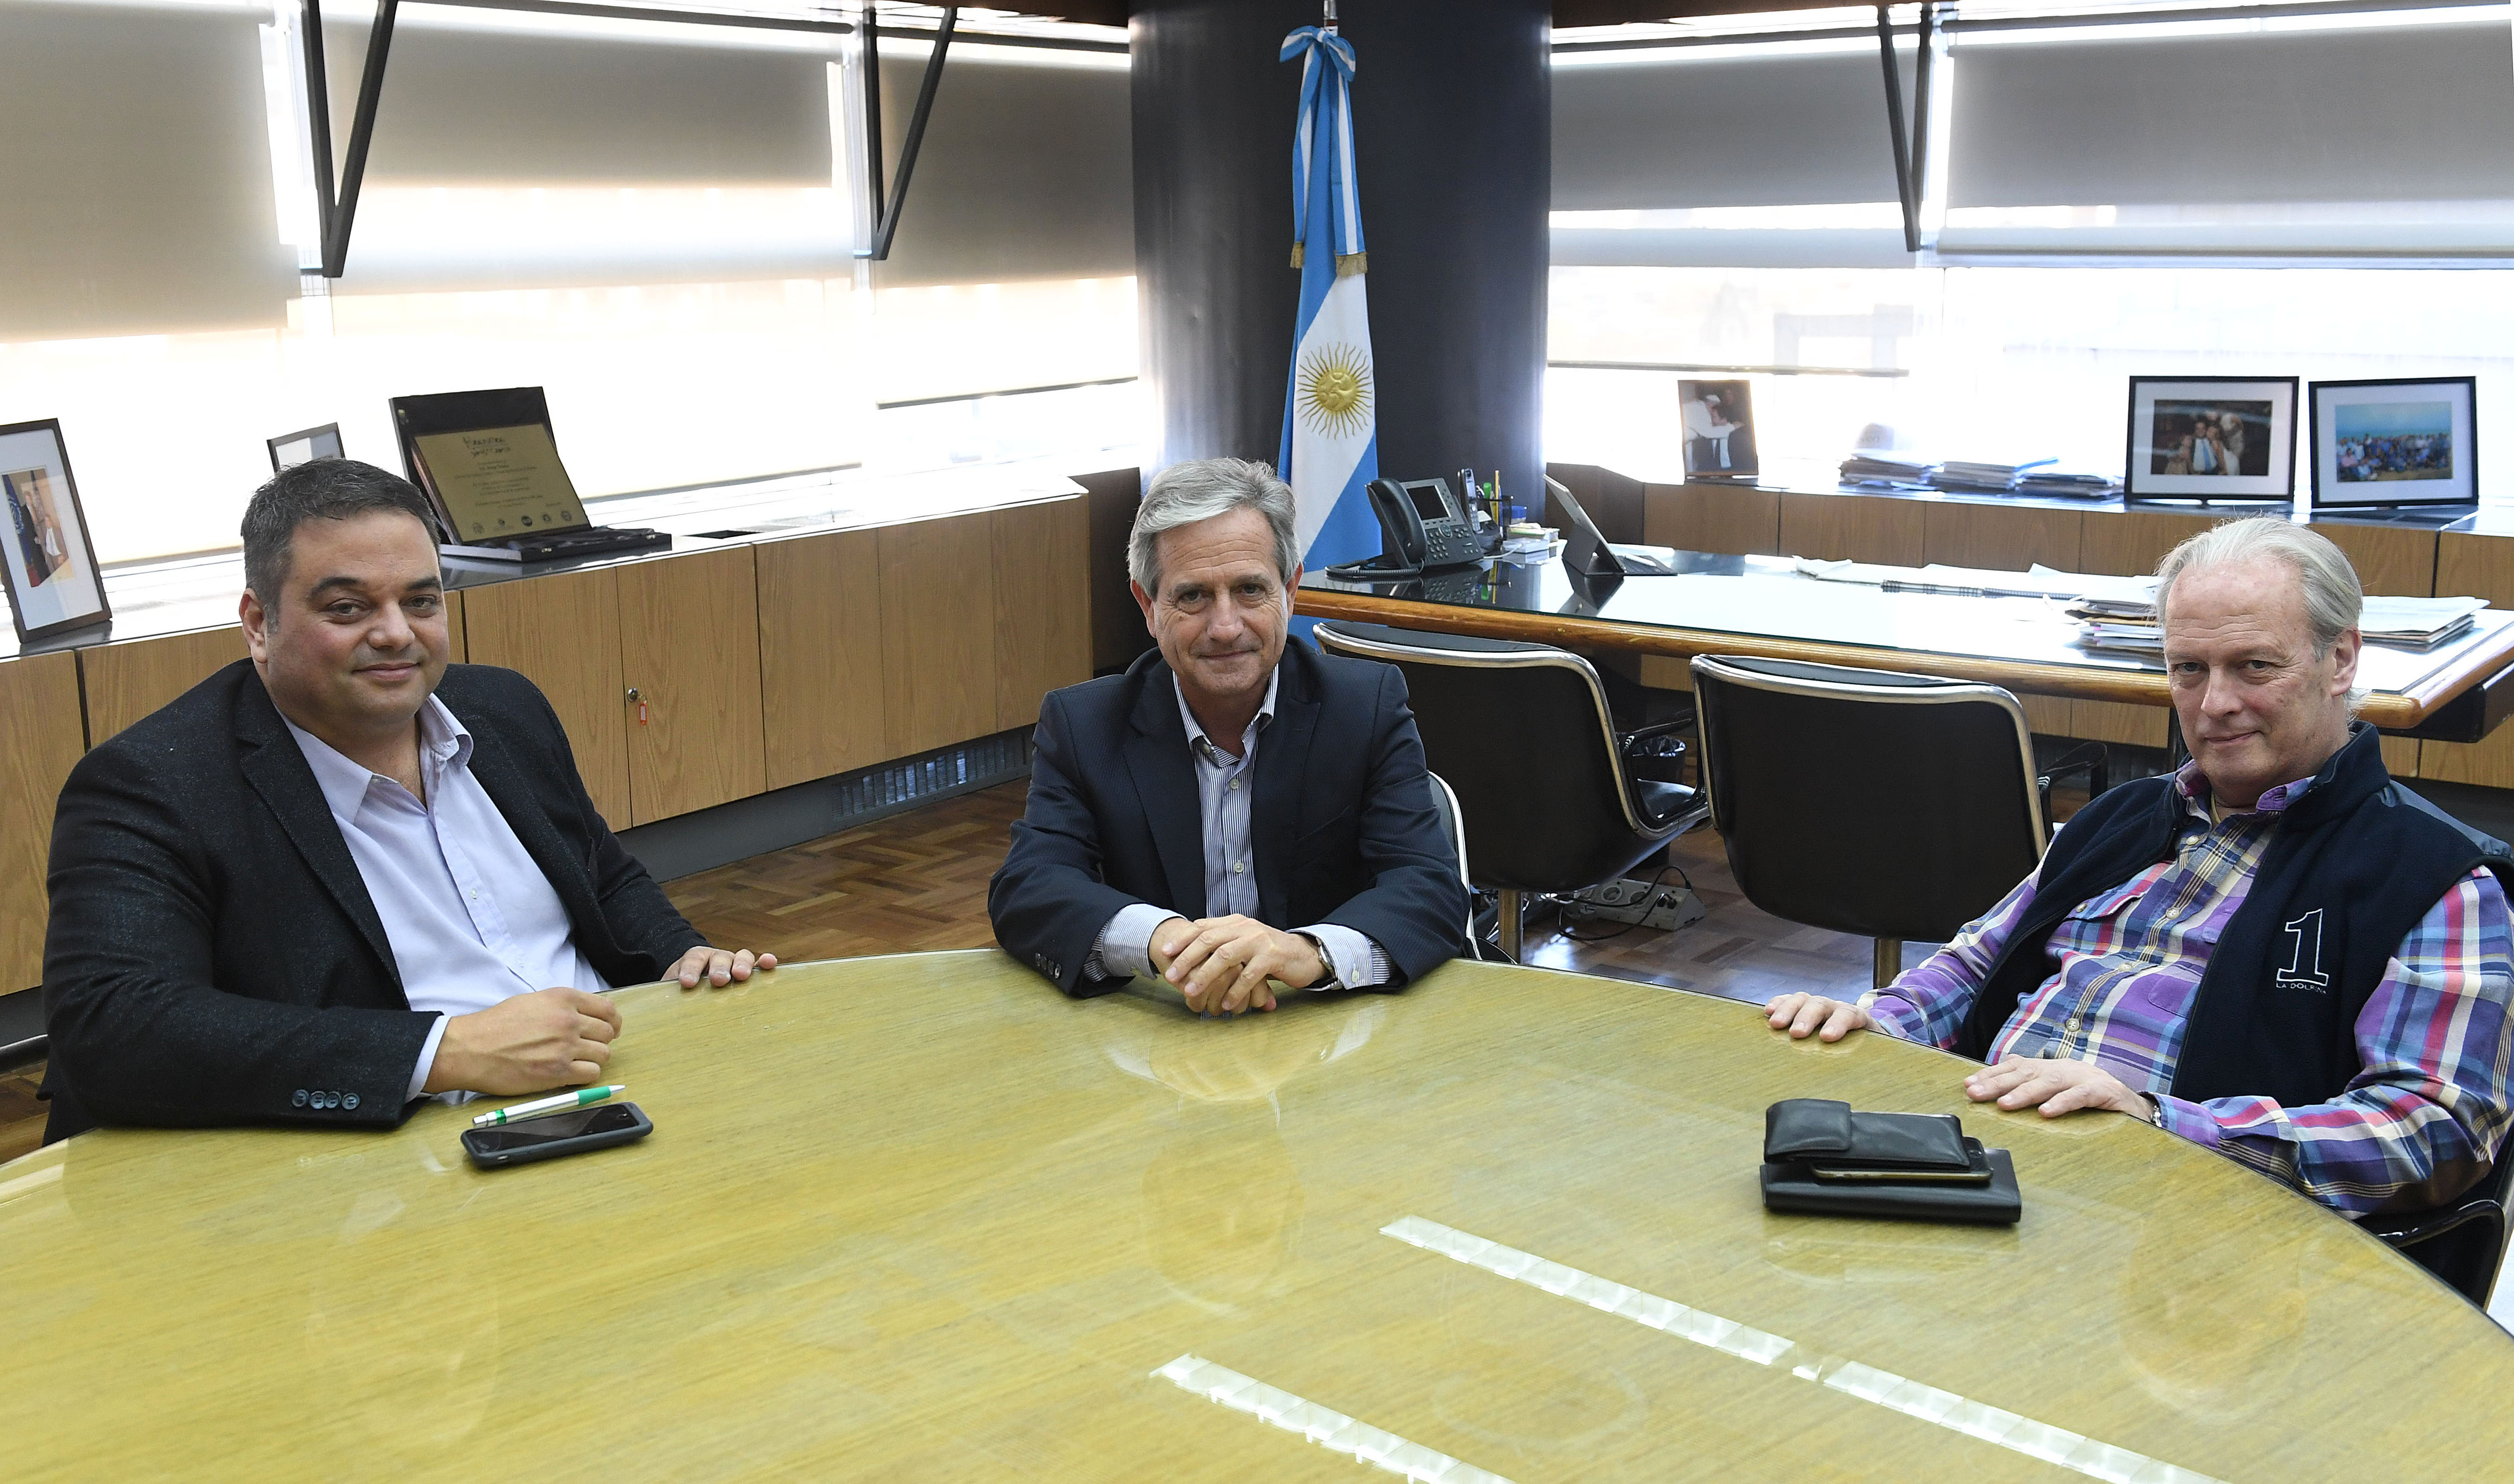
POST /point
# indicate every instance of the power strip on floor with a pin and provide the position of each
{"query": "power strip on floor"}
(1638, 904)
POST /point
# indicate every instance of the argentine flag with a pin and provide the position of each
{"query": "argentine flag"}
(1330, 435)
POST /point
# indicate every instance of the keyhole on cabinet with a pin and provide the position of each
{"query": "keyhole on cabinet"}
(638, 696)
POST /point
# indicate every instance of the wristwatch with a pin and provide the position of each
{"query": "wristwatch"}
(2155, 1108)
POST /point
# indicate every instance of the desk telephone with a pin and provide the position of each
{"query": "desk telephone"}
(1421, 528)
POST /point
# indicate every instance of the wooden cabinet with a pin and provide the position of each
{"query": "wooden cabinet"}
(1704, 518)
(2478, 566)
(820, 655)
(1858, 527)
(127, 680)
(41, 738)
(938, 632)
(689, 648)
(562, 632)
(1042, 619)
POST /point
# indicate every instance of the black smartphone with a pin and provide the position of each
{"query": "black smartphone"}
(573, 1132)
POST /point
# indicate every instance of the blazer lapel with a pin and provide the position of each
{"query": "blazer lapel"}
(1283, 762)
(277, 771)
(1165, 785)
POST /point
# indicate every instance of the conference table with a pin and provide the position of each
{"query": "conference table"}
(923, 1217)
(1763, 607)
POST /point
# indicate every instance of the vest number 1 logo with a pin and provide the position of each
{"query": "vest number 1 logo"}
(2304, 969)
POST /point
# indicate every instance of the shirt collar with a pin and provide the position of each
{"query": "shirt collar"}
(1201, 744)
(443, 742)
(2194, 786)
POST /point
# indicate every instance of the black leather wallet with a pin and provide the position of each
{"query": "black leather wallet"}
(1820, 1157)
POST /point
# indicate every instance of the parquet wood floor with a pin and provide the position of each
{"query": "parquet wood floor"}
(917, 881)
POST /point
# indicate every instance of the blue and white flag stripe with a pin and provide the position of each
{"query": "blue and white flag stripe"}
(1331, 447)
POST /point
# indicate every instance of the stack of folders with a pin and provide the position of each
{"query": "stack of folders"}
(2052, 482)
(1875, 470)
(2124, 618)
(1969, 476)
(2419, 622)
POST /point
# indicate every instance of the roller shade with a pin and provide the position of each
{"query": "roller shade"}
(135, 169)
(2370, 138)
(1689, 158)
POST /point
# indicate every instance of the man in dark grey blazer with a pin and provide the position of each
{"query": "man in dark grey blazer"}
(1234, 812)
(341, 875)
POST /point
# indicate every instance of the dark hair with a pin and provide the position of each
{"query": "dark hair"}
(325, 488)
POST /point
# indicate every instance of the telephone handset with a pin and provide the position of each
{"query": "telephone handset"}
(1420, 528)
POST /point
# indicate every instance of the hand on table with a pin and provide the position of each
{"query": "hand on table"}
(717, 967)
(2056, 1086)
(1812, 1015)
(1222, 964)
(530, 1043)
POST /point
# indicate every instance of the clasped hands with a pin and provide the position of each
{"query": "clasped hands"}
(559, 1037)
(1223, 964)
(2055, 1085)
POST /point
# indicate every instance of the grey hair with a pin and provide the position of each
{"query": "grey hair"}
(2333, 600)
(1184, 493)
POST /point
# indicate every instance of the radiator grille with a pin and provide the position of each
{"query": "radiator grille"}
(889, 788)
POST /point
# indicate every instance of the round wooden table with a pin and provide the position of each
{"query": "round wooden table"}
(925, 1217)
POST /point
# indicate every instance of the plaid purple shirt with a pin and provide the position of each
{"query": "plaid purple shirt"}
(2416, 1127)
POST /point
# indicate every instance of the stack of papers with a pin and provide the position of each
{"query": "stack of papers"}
(1877, 469)
(2068, 486)
(1975, 476)
(2137, 638)
(2417, 622)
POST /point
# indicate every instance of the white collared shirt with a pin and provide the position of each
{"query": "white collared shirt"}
(471, 919)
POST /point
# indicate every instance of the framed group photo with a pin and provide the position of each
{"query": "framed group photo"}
(52, 576)
(2211, 438)
(2401, 442)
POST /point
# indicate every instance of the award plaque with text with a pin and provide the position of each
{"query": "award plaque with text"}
(499, 482)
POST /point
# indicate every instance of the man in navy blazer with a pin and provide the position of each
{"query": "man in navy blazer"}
(1234, 812)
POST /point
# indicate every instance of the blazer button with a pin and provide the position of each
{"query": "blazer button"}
(349, 1100)
(300, 1099)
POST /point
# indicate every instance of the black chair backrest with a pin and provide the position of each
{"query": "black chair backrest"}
(1522, 734)
(1866, 801)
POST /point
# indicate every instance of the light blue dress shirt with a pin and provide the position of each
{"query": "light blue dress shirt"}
(471, 919)
(1223, 786)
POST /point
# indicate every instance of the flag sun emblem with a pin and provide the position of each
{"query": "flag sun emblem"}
(1335, 391)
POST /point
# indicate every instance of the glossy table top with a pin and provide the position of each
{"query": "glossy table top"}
(1758, 605)
(925, 1217)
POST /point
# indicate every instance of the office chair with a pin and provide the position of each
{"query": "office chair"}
(2463, 1242)
(1523, 733)
(1453, 826)
(1865, 801)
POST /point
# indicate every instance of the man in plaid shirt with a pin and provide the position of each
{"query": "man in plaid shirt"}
(2277, 953)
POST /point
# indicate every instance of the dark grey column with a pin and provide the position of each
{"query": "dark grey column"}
(1452, 117)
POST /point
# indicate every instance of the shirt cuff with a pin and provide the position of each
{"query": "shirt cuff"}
(1125, 945)
(1354, 961)
(2181, 1115)
(1898, 1017)
(427, 1062)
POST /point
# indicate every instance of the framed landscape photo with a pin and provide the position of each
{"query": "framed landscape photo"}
(2406, 442)
(1719, 429)
(53, 580)
(2210, 438)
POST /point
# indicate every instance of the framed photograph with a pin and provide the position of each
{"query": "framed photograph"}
(2395, 443)
(1719, 429)
(2210, 438)
(289, 450)
(53, 580)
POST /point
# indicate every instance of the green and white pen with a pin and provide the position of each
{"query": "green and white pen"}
(539, 1105)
